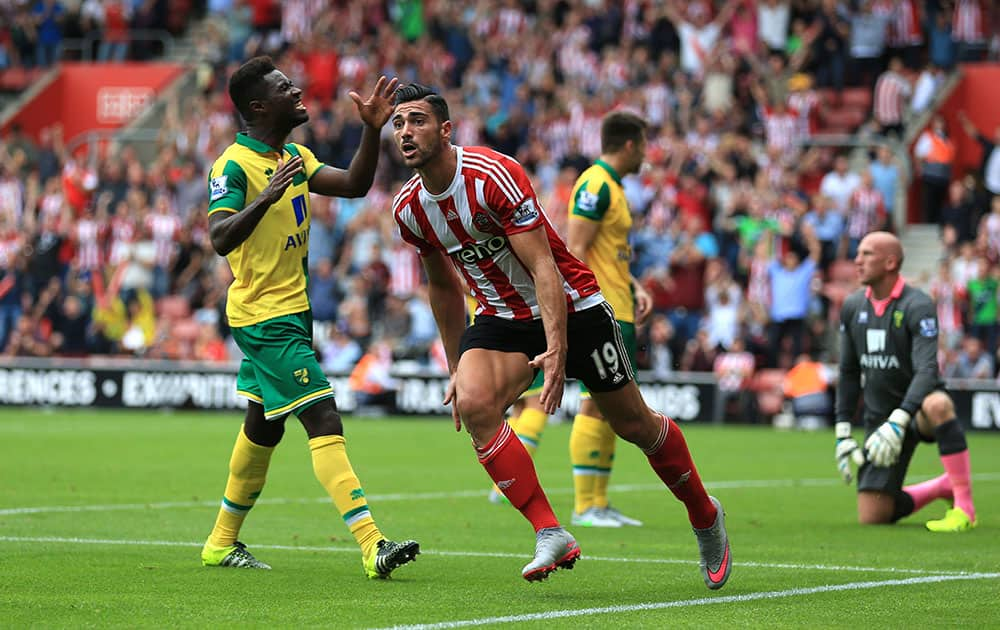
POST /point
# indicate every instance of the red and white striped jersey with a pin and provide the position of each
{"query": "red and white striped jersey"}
(88, 245)
(489, 199)
(405, 275)
(782, 130)
(867, 212)
(904, 25)
(967, 23)
(164, 228)
(891, 90)
(122, 237)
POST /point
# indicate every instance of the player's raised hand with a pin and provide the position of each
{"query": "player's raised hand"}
(552, 362)
(884, 445)
(376, 111)
(282, 178)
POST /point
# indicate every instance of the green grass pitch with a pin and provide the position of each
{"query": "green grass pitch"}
(102, 516)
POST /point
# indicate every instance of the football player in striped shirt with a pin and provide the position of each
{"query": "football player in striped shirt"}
(471, 212)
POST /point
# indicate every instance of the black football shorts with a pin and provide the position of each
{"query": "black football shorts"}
(597, 354)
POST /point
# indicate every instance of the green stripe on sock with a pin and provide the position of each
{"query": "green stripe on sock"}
(235, 506)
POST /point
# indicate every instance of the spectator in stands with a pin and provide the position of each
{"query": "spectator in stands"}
(990, 167)
(49, 16)
(790, 280)
(839, 184)
(949, 296)
(968, 29)
(982, 298)
(772, 23)
(339, 352)
(734, 369)
(906, 36)
(829, 53)
(868, 33)
(371, 380)
(885, 176)
(323, 291)
(959, 215)
(892, 91)
(659, 353)
(866, 213)
(807, 387)
(830, 227)
(935, 156)
(723, 304)
(699, 32)
(971, 362)
(926, 88)
(699, 353)
(115, 35)
(941, 49)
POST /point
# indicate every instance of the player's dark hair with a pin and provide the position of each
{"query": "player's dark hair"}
(417, 92)
(619, 127)
(247, 83)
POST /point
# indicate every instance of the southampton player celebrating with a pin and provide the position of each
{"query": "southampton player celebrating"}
(473, 210)
(259, 219)
(889, 338)
(599, 226)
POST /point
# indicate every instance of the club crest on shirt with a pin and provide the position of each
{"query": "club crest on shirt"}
(526, 213)
(481, 220)
(897, 318)
(218, 187)
(928, 327)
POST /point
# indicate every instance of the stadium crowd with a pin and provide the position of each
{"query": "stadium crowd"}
(744, 232)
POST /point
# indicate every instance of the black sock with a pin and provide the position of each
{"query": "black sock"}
(950, 437)
(903, 507)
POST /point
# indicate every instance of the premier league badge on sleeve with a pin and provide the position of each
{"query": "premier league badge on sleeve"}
(526, 213)
(218, 188)
(928, 327)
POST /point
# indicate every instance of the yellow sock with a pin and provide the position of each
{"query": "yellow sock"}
(333, 470)
(605, 461)
(585, 455)
(529, 428)
(247, 473)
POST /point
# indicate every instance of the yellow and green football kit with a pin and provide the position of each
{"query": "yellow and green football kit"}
(268, 306)
(599, 196)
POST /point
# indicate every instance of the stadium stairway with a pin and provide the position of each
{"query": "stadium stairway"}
(922, 244)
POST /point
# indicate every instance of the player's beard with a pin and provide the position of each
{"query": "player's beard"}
(423, 156)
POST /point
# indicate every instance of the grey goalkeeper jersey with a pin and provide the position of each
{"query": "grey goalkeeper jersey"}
(889, 359)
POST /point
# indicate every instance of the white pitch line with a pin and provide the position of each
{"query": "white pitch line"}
(701, 601)
(485, 554)
(431, 496)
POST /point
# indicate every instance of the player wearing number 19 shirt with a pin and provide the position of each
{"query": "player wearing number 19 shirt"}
(889, 338)
(471, 212)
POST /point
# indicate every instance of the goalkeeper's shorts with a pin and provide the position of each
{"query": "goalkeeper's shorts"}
(889, 480)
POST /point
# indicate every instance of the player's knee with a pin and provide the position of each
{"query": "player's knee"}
(477, 407)
(938, 407)
(321, 419)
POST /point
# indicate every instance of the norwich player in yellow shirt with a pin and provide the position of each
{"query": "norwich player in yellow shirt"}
(259, 220)
(599, 227)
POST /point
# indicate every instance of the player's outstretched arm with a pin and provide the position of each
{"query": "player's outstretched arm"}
(532, 249)
(227, 230)
(357, 179)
